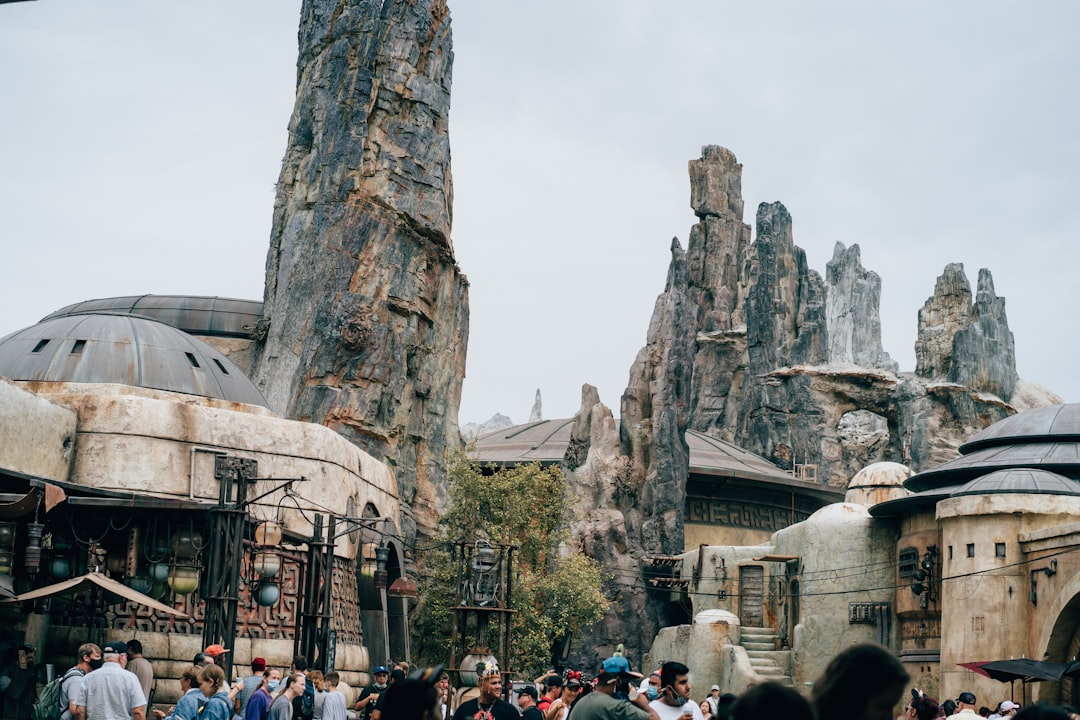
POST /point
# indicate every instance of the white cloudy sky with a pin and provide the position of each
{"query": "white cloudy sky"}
(140, 143)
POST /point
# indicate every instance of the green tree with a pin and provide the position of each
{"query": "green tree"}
(554, 592)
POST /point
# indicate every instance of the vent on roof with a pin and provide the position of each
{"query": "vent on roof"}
(192, 359)
(220, 366)
(77, 347)
(40, 346)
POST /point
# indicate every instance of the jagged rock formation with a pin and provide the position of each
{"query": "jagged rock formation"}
(964, 342)
(791, 367)
(498, 421)
(629, 478)
(852, 312)
(537, 413)
(366, 311)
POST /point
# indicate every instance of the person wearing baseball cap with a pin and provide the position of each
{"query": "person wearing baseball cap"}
(966, 710)
(615, 695)
(111, 691)
(216, 651)
(526, 701)
(369, 696)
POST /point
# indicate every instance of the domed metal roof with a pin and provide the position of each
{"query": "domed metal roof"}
(1020, 480)
(546, 441)
(213, 316)
(1054, 423)
(123, 349)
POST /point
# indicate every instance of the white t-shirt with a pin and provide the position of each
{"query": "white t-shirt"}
(667, 712)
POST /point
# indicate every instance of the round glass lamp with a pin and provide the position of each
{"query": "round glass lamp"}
(184, 579)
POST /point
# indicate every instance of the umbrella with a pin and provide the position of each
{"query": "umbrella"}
(975, 667)
(74, 585)
(1024, 669)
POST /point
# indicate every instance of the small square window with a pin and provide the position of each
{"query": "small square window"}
(971, 549)
(999, 550)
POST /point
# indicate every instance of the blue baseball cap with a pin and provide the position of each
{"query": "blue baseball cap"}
(381, 669)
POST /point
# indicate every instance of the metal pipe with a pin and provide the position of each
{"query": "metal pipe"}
(191, 472)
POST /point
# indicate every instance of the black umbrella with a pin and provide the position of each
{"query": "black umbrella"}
(1025, 670)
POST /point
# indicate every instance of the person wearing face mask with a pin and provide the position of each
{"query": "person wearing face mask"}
(258, 705)
(674, 702)
(650, 687)
(89, 656)
(369, 696)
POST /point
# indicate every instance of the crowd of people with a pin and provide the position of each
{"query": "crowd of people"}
(864, 682)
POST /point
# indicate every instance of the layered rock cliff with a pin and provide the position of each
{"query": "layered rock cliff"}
(366, 311)
(791, 367)
(629, 477)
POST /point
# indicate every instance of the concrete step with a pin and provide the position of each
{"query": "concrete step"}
(758, 646)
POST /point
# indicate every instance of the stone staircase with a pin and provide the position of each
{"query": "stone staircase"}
(768, 662)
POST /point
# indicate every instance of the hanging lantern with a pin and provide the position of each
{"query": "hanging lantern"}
(267, 594)
(186, 544)
(32, 559)
(267, 563)
(268, 532)
(184, 579)
(59, 567)
(7, 547)
(159, 571)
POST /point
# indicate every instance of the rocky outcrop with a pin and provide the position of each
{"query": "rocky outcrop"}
(791, 367)
(537, 412)
(366, 311)
(629, 478)
(852, 311)
(966, 342)
(498, 421)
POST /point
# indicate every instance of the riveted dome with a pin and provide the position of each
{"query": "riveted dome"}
(1053, 423)
(881, 474)
(1020, 480)
(123, 349)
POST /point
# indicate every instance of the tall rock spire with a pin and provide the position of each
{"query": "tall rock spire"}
(366, 312)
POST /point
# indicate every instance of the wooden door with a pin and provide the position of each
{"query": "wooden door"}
(752, 595)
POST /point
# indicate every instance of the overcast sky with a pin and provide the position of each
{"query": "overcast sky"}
(141, 141)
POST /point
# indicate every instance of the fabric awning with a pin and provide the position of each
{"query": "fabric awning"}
(80, 583)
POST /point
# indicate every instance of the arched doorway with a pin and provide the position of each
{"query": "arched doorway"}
(1064, 646)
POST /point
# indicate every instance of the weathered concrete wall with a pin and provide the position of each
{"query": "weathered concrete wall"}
(841, 550)
(698, 534)
(139, 440)
(980, 588)
(38, 434)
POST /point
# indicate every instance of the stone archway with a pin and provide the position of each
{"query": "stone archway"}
(1063, 644)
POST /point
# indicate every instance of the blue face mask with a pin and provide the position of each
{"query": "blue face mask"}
(272, 685)
(652, 692)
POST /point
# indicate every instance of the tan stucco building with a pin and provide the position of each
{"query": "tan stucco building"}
(142, 427)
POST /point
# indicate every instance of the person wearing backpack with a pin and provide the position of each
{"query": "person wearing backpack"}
(89, 656)
(219, 703)
(303, 706)
(57, 698)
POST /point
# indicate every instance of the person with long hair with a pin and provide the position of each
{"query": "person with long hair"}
(864, 682)
(922, 707)
(282, 707)
(219, 704)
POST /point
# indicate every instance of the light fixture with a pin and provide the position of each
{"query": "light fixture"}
(159, 571)
(268, 532)
(7, 547)
(382, 554)
(59, 567)
(267, 594)
(267, 563)
(184, 579)
(403, 587)
(186, 544)
(32, 559)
